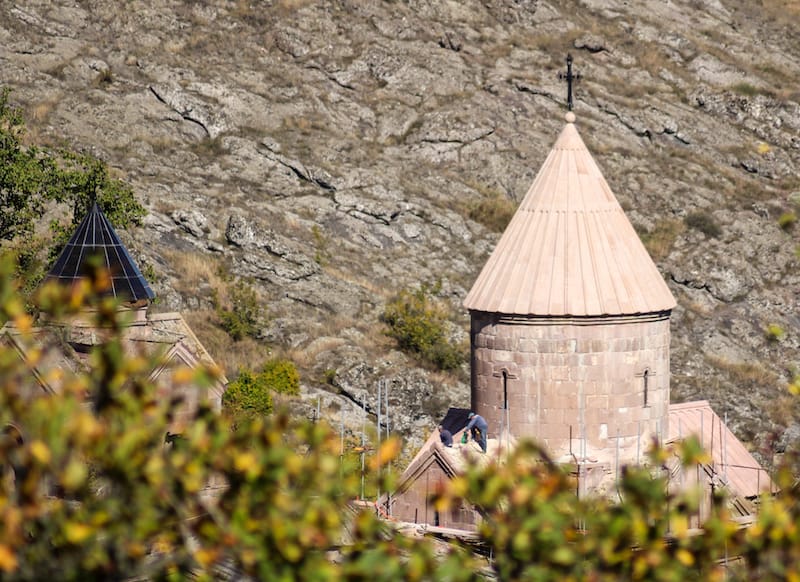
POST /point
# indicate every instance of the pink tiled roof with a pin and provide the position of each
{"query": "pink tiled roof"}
(570, 249)
(730, 460)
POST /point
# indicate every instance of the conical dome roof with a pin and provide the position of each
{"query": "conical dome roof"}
(96, 237)
(570, 250)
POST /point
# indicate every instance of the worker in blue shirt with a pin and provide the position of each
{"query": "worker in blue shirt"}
(446, 436)
(477, 422)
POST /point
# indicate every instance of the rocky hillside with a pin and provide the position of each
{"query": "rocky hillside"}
(336, 152)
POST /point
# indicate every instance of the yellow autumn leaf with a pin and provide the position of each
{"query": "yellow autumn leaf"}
(685, 557)
(74, 475)
(79, 292)
(679, 524)
(205, 556)
(40, 452)
(386, 453)
(162, 545)
(76, 533)
(23, 322)
(14, 307)
(293, 465)
(245, 461)
(8, 560)
(794, 387)
(136, 549)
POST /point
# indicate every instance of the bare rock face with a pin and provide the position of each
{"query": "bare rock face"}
(336, 152)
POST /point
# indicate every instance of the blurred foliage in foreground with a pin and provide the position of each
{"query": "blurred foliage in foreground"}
(95, 490)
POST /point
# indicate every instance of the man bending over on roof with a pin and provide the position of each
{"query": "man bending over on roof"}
(477, 422)
(446, 436)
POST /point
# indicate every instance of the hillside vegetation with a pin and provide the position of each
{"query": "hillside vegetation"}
(334, 155)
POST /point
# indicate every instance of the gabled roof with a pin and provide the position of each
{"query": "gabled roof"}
(570, 250)
(95, 237)
(61, 347)
(731, 463)
(453, 459)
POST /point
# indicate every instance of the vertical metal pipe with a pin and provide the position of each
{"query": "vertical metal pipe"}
(570, 442)
(508, 428)
(702, 430)
(363, 439)
(721, 449)
(638, 440)
(377, 448)
(680, 437)
(713, 463)
(582, 420)
(508, 418)
(378, 413)
(386, 398)
(386, 422)
(725, 451)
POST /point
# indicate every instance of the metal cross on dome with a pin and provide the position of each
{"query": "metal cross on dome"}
(569, 78)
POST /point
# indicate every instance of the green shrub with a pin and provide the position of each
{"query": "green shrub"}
(787, 220)
(774, 332)
(746, 89)
(281, 376)
(247, 396)
(419, 324)
(242, 317)
(703, 222)
(250, 395)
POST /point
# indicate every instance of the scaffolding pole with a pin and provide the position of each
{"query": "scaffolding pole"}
(363, 441)
(378, 448)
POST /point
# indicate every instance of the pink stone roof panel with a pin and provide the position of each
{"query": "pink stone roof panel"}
(731, 461)
(570, 250)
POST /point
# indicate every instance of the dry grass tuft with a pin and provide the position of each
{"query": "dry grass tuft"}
(354, 279)
(230, 356)
(783, 410)
(40, 112)
(196, 270)
(660, 239)
(745, 373)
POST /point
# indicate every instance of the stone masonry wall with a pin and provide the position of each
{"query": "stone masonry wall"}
(584, 375)
(413, 505)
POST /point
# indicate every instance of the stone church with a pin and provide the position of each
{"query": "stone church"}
(65, 343)
(570, 346)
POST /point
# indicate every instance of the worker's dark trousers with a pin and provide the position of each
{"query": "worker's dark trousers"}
(482, 440)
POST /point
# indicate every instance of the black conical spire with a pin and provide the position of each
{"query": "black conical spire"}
(95, 237)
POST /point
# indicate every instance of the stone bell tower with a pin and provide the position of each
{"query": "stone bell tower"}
(570, 320)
